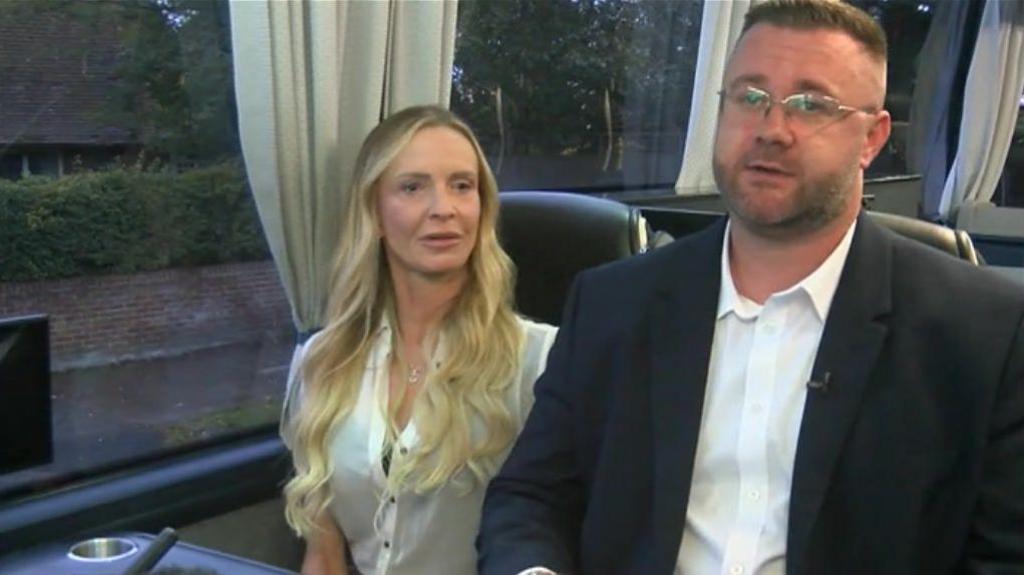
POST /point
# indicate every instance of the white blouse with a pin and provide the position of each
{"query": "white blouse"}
(410, 533)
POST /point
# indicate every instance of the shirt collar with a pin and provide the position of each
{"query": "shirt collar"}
(820, 286)
(730, 300)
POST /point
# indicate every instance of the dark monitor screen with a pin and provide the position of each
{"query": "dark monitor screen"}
(26, 438)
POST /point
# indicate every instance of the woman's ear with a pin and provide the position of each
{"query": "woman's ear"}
(378, 229)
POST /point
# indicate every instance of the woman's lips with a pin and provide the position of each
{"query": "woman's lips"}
(441, 240)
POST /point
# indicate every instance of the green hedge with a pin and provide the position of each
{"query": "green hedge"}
(126, 220)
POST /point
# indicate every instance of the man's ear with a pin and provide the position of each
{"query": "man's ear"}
(877, 136)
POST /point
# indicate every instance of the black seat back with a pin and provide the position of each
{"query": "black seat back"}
(552, 236)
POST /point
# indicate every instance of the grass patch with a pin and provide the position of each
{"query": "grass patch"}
(210, 425)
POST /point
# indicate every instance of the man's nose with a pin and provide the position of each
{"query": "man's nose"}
(775, 127)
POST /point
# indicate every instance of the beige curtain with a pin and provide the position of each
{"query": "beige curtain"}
(991, 102)
(720, 28)
(935, 91)
(311, 79)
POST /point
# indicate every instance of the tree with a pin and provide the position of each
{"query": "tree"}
(176, 81)
(555, 64)
(173, 84)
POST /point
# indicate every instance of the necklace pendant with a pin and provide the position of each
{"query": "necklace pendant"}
(415, 374)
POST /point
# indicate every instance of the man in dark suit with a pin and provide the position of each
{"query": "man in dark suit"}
(795, 390)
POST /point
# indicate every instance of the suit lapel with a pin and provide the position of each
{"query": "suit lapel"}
(850, 345)
(682, 325)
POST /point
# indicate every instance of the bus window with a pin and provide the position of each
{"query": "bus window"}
(578, 95)
(906, 25)
(125, 217)
(1010, 192)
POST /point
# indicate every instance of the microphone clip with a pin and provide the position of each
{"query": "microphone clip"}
(823, 385)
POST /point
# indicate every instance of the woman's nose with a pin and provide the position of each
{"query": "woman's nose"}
(443, 204)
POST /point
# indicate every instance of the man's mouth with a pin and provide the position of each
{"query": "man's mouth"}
(768, 168)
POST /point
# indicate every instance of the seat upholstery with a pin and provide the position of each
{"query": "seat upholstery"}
(957, 243)
(954, 242)
(551, 236)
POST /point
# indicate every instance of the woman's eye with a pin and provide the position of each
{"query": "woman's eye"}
(465, 186)
(410, 187)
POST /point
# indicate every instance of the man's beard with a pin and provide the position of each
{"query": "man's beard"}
(813, 204)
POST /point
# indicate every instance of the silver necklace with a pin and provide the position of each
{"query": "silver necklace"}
(415, 375)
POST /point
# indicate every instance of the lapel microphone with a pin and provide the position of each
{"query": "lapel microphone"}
(823, 384)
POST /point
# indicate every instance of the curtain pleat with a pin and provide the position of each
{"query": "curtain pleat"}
(991, 103)
(720, 28)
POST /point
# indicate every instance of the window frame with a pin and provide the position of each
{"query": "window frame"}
(177, 491)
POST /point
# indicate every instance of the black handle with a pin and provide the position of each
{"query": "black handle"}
(153, 553)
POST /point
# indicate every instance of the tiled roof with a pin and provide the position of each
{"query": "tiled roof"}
(56, 78)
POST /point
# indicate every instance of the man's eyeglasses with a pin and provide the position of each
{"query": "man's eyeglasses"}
(806, 108)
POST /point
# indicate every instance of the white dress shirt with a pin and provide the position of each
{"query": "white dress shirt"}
(761, 361)
(412, 533)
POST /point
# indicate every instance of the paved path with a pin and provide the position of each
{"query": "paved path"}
(112, 414)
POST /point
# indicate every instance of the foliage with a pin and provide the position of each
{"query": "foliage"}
(176, 76)
(172, 85)
(553, 74)
(126, 220)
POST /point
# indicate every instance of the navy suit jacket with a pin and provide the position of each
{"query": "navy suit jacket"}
(911, 462)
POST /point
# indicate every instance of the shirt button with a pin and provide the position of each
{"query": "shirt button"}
(756, 409)
(387, 545)
(403, 451)
(736, 570)
(754, 494)
(770, 329)
(391, 500)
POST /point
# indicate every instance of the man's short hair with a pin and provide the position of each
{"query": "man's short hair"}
(821, 14)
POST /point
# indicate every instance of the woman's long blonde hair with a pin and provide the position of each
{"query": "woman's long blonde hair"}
(481, 334)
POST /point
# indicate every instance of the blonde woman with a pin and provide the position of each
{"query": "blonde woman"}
(403, 407)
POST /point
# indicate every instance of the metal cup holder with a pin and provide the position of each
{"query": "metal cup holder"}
(102, 549)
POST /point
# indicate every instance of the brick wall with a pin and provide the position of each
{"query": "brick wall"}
(102, 319)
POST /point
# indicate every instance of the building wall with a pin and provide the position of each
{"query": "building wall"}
(103, 319)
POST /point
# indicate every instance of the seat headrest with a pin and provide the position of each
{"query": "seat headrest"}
(956, 243)
(552, 236)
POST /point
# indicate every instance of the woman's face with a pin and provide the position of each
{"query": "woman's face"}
(428, 205)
